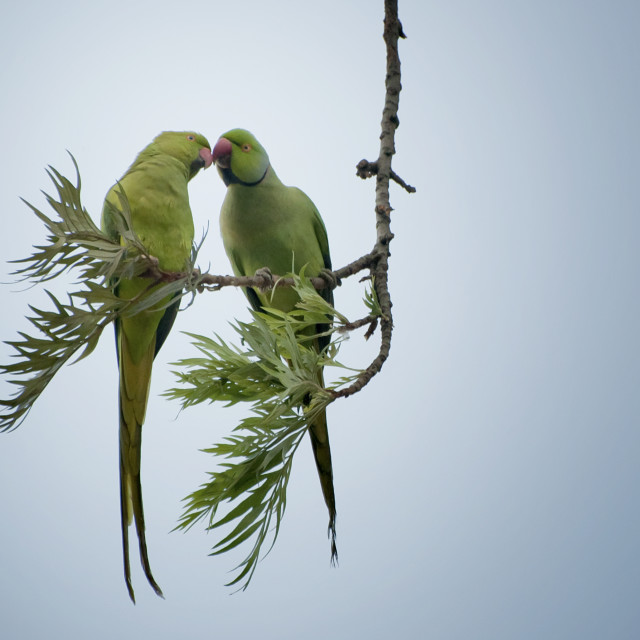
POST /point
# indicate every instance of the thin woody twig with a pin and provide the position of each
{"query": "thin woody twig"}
(356, 324)
(372, 328)
(214, 282)
(366, 169)
(392, 32)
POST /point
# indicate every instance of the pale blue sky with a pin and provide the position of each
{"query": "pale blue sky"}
(488, 480)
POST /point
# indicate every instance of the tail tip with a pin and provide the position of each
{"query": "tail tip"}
(132, 595)
(331, 534)
(154, 585)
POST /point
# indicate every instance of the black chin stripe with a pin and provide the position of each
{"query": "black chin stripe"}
(229, 177)
(196, 165)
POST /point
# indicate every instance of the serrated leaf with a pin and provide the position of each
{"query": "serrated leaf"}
(275, 368)
(73, 327)
(234, 543)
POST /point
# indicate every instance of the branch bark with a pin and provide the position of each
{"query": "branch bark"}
(380, 269)
(366, 169)
(214, 282)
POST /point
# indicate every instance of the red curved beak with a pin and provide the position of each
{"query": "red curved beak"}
(222, 153)
(205, 154)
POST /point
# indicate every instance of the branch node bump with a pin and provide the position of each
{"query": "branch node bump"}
(366, 169)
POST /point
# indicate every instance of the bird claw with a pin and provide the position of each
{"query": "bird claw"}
(266, 276)
(330, 278)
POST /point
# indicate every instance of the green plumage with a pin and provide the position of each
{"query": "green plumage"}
(267, 224)
(155, 186)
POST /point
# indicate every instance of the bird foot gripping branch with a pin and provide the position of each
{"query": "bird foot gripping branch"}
(332, 281)
(265, 277)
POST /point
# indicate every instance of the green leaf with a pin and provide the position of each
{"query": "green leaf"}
(73, 327)
(276, 369)
(371, 300)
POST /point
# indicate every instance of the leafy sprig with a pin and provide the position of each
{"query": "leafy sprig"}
(276, 369)
(74, 242)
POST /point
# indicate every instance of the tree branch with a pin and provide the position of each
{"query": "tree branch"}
(212, 282)
(366, 169)
(379, 271)
(370, 320)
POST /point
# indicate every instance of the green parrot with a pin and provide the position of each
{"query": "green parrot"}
(267, 224)
(156, 188)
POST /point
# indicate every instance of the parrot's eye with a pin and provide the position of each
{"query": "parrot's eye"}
(246, 147)
(191, 137)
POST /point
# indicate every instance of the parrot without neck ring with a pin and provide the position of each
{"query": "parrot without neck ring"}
(156, 189)
(267, 224)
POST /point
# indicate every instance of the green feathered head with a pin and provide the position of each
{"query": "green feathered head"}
(240, 158)
(190, 148)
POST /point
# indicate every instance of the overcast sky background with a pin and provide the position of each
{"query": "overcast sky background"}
(488, 479)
